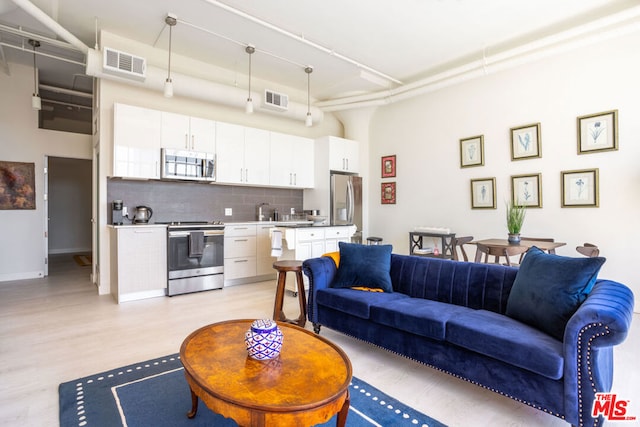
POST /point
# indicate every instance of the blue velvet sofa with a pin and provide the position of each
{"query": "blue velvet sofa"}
(451, 316)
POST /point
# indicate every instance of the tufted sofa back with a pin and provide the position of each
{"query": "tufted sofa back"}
(474, 285)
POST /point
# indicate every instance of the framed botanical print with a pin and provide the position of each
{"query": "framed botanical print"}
(525, 142)
(388, 166)
(472, 151)
(526, 190)
(388, 193)
(580, 188)
(483, 193)
(598, 132)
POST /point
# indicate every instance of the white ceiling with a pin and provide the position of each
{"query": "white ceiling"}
(404, 39)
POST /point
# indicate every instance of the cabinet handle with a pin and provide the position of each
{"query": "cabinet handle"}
(186, 141)
(295, 179)
(246, 175)
(241, 240)
(241, 174)
(241, 260)
(193, 142)
(347, 160)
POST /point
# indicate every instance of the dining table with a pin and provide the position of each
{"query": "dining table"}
(502, 243)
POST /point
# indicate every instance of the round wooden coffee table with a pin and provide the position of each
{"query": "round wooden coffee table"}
(306, 385)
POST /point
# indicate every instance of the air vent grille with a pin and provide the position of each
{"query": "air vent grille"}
(275, 100)
(124, 64)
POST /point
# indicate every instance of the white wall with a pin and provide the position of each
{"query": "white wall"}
(22, 252)
(432, 189)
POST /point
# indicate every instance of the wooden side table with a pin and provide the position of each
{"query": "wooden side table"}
(278, 314)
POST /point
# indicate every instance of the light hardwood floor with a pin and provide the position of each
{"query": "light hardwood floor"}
(58, 329)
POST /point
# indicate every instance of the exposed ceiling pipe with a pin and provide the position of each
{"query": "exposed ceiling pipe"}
(602, 29)
(302, 40)
(39, 53)
(66, 91)
(50, 23)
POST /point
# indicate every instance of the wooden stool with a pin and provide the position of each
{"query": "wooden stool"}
(278, 314)
(372, 240)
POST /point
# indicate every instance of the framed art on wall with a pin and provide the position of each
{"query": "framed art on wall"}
(483, 193)
(17, 185)
(526, 190)
(388, 193)
(388, 166)
(598, 132)
(580, 188)
(525, 142)
(472, 151)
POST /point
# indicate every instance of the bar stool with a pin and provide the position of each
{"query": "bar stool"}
(278, 314)
(372, 240)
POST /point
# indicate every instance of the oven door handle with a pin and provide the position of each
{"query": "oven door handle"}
(186, 233)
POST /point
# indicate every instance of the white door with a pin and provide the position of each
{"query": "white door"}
(46, 216)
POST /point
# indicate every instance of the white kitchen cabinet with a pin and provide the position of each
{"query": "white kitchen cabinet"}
(138, 262)
(334, 235)
(292, 161)
(242, 155)
(264, 260)
(239, 252)
(343, 155)
(187, 133)
(136, 142)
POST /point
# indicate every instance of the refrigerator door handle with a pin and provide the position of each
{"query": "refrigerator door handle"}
(350, 202)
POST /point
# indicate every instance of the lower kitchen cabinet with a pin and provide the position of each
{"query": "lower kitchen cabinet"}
(247, 253)
(138, 262)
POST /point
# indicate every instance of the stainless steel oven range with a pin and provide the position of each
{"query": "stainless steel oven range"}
(195, 256)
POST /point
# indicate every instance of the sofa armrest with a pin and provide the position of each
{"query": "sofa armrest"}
(320, 272)
(601, 322)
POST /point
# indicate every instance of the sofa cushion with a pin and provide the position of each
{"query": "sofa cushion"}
(365, 266)
(507, 340)
(356, 303)
(416, 315)
(549, 288)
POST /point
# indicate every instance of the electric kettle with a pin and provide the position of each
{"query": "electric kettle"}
(142, 215)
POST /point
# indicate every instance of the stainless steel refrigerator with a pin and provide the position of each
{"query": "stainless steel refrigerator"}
(346, 202)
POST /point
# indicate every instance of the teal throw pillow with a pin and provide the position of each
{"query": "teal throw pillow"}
(549, 288)
(364, 266)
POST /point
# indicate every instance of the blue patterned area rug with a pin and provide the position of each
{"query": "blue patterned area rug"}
(155, 393)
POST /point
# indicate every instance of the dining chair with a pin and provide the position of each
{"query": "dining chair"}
(497, 252)
(588, 249)
(458, 243)
(540, 239)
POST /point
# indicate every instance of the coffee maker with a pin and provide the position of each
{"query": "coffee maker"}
(116, 213)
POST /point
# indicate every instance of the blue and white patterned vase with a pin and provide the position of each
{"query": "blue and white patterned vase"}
(264, 339)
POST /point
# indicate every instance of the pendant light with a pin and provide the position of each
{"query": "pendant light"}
(308, 121)
(171, 21)
(36, 102)
(249, 107)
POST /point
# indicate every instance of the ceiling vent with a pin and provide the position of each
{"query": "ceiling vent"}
(124, 64)
(276, 101)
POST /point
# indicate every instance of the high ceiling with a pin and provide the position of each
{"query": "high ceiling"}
(355, 46)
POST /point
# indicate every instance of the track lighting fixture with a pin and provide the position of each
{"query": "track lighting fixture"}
(36, 102)
(171, 21)
(308, 121)
(249, 107)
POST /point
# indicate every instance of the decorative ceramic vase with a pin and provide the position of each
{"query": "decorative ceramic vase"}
(514, 238)
(263, 339)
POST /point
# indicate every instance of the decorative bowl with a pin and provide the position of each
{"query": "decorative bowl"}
(317, 219)
(263, 339)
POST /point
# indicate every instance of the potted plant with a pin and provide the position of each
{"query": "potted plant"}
(515, 218)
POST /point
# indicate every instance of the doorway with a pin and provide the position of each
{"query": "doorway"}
(69, 212)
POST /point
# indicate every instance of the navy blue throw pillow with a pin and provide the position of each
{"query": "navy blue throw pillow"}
(364, 266)
(548, 289)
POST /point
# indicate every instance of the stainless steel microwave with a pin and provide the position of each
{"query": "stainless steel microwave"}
(190, 165)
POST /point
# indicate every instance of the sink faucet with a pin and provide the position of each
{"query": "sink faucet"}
(260, 212)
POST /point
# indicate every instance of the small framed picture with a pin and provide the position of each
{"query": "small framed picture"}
(483, 193)
(598, 132)
(388, 166)
(525, 142)
(580, 188)
(526, 190)
(472, 151)
(388, 193)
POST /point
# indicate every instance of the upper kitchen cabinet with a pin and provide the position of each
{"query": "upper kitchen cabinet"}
(136, 142)
(188, 133)
(343, 154)
(291, 161)
(242, 155)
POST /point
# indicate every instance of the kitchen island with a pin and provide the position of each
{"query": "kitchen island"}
(311, 241)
